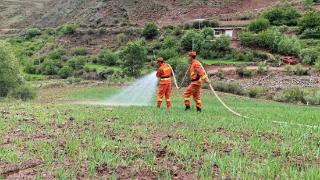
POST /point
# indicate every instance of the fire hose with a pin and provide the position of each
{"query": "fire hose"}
(211, 88)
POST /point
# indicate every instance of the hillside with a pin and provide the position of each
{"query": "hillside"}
(106, 13)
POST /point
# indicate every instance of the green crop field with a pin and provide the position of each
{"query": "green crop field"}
(68, 140)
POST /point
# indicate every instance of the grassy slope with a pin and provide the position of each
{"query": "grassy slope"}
(163, 141)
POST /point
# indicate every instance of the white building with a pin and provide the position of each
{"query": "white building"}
(232, 32)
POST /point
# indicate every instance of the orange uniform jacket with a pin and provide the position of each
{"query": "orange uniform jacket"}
(164, 73)
(197, 74)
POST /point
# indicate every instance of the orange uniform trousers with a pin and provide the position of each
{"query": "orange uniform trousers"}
(194, 89)
(164, 90)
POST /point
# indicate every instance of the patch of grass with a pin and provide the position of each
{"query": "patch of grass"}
(223, 62)
(92, 93)
(101, 141)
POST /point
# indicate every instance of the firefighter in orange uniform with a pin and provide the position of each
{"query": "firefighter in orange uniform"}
(164, 74)
(197, 74)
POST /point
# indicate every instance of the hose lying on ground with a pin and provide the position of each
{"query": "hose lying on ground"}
(212, 89)
(219, 99)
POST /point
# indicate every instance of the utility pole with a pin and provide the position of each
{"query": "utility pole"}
(192, 43)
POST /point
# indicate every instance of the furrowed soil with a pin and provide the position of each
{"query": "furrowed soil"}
(51, 137)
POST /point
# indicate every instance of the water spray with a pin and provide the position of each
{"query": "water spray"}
(140, 93)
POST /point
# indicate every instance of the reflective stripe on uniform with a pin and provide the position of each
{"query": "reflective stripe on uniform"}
(186, 99)
(165, 79)
(168, 100)
(159, 99)
(166, 69)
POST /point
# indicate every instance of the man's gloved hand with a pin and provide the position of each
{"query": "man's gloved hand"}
(207, 80)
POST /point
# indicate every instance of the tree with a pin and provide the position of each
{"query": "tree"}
(207, 33)
(259, 25)
(9, 70)
(133, 57)
(191, 41)
(217, 48)
(150, 31)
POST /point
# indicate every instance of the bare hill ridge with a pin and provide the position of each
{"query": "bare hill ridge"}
(106, 13)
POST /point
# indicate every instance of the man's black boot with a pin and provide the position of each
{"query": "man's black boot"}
(198, 109)
(187, 108)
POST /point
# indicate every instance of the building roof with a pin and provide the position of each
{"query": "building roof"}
(226, 28)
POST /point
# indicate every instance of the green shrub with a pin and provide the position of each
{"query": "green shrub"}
(310, 20)
(133, 57)
(168, 53)
(49, 31)
(104, 74)
(177, 31)
(282, 15)
(191, 41)
(269, 39)
(311, 33)
(263, 68)
(288, 69)
(290, 46)
(56, 54)
(180, 66)
(317, 65)
(122, 39)
(283, 28)
(32, 32)
(257, 91)
(169, 42)
(77, 63)
(107, 57)
(24, 92)
(217, 48)
(312, 97)
(65, 72)
(248, 39)
(259, 25)
(220, 74)
(309, 55)
(150, 30)
(300, 71)
(79, 51)
(243, 72)
(68, 28)
(9, 69)
(228, 87)
(50, 67)
(291, 95)
(245, 56)
(273, 40)
(31, 69)
(207, 33)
